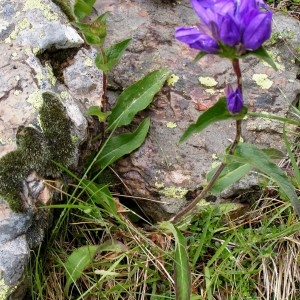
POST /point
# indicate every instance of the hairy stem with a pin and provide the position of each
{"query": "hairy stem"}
(238, 124)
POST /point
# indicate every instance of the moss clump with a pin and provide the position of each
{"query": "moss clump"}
(56, 126)
(37, 150)
(67, 6)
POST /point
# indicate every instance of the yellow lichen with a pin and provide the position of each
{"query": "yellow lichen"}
(50, 76)
(262, 80)
(36, 50)
(43, 7)
(172, 79)
(8, 141)
(4, 289)
(21, 25)
(174, 192)
(14, 55)
(208, 81)
(171, 125)
(17, 92)
(64, 95)
(89, 62)
(36, 99)
(159, 185)
(210, 91)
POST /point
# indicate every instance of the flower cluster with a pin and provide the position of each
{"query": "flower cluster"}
(242, 24)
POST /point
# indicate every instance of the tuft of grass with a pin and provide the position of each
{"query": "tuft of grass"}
(232, 255)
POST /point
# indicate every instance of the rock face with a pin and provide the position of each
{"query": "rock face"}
(41, 52)
(44, 73)
(162, 169)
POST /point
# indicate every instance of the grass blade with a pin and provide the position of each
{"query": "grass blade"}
(182, 269)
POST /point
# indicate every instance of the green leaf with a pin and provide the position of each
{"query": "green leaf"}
(182, 269)
(76, 263)
(263, 54)
(83, 256)
(83, 8)
(112, 56)
(220, 251)
(118, 146)
(96, 111)
(274, 117)
(94, 33)
(231, 173)
(199, 56)
(136, 98)
(292, 157)
(216, 113)
(92, 39)
(247, 153)
(274, 153)
(100, 194)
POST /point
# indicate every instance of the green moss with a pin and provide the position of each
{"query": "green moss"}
(4, 289)
(67, 6)
(37, 150)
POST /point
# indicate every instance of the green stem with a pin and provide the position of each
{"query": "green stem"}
(238, 124)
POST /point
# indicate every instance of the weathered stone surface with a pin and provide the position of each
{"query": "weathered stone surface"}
(161, 169)
(38, 46)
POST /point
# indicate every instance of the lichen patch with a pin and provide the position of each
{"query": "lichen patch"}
(4, 289)
(174, 192)
(40, 5)
(262, 80)
(171, 125)
(208, 81)
(36, 99)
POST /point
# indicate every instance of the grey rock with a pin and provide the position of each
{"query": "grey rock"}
(162, 170)
(31, 34)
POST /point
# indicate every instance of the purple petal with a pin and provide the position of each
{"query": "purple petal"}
(229, 30)
(204, 10)
(224, 7)
(187, 34)
(235, 101)
(258, 30)
(247, 5)
(196, 39)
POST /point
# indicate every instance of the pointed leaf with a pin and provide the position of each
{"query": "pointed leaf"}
(182, 269)
(112, 56)
(100, 194)
(83, 8)
(136, 98)
(232, 173)
(94, 33)
(292, 157)
(199, 56)
(216, 113)
(118, 146)
(76, 262)
(92, 39)
(248, 153)
(263, 54)
(83, 256)
(96, 111)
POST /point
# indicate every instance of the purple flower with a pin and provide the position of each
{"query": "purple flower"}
(242, 24)
(235, 101)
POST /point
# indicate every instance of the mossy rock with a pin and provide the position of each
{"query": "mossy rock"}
(37, 151)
